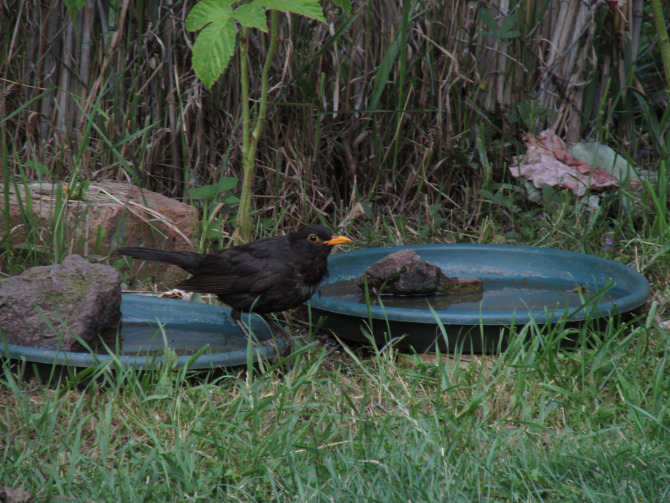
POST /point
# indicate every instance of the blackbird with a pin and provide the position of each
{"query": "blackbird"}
(264, 276)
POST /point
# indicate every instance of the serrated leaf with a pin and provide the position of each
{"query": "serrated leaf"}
(209, 11)
(308, 8)
(213, 49)
(226, 183)
(251, 15)
(212, 191)
(204, 192)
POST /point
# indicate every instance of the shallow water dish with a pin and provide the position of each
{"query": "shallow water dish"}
(188, 327)
(520, 283)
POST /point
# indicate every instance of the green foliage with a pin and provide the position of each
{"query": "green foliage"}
(529, 112)
(211, 192)
(664, 41)
(213, 198)
(215, 44)
(505, 30)
(213, 48)
(74, 6)
(218, 22)
(535, 423)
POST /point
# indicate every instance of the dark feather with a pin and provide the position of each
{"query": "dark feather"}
(267, 275)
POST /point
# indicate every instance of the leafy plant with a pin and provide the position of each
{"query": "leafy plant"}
(214, 197)
(506, 28)
(219, 22)
(529, 112)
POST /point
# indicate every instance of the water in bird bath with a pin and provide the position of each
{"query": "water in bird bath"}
(498, 295)
(145, 339)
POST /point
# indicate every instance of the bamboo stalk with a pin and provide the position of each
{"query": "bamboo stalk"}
(64, 111)
(85, 53)
(116, 41)
(173, 120)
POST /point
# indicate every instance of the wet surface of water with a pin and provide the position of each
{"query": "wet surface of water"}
(497, 295)
(143, 339)
(148, 340)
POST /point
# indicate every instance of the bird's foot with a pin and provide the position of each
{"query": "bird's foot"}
(279, 334)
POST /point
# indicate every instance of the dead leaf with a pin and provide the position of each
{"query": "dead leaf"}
(548, 162)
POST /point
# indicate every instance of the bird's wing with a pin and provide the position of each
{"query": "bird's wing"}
(237, 272)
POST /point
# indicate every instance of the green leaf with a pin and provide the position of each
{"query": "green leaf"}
(251, 15)
(490, 22)
(225, 184)
(345, 5)
(74, 6)
(308, 8)
(502, 31)
(383, 72)
(213, 49)
(507, 27)
(38, 166)
(209, 11)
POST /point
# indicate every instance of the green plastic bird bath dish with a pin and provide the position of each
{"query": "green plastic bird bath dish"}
(520, 283)
(149, 324)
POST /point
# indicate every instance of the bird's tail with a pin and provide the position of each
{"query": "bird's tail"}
(188, 261)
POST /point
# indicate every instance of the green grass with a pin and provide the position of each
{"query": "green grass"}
(532, 424)
(535, 423)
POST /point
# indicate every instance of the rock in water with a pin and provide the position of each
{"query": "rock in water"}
(404, 273)
(75, 297)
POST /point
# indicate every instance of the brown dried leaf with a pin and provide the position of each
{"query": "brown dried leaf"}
(548, 162)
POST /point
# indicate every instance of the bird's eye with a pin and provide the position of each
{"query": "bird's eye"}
(313, 238)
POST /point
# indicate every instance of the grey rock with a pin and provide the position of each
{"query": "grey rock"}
(44, 307)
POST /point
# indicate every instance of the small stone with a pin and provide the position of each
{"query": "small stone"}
(404, 273)
(47, 306)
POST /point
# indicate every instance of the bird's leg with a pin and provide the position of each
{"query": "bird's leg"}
(278, 331)
(237, 318)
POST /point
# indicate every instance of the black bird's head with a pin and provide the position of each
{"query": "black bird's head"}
(312, 244)
(316, 237)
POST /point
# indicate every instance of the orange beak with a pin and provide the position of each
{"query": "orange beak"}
(337, 240)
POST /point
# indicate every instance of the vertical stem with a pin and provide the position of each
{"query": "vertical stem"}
(243, 225)
(178, 176)
(250, 138)
(663, 40)
(85, 56)
(5, 175)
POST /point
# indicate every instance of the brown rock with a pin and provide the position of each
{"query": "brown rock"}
(46, 306)
(102, 217)
(105, 215)
(404, 273)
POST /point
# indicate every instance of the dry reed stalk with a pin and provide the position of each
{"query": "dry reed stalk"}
(412, 150)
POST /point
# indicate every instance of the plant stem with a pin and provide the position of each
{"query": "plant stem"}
(5, 179)
(663, 40)
(242, 226)
(250, 143)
